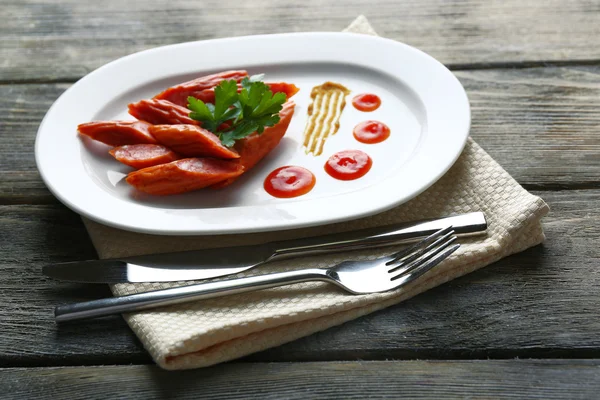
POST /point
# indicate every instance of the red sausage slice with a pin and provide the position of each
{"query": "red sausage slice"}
(288, 88)
(178, 94)
(255, 147)
(160, 112)
(118, 133)
(144, 155)
(191, 141)
(183, 175)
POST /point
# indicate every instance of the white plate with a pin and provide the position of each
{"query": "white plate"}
(424, 105)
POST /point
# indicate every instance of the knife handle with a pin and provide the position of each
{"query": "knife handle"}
(464, 225)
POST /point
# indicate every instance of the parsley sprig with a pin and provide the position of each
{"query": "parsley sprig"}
(237, 115)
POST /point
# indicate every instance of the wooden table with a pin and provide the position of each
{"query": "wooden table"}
(526, 326)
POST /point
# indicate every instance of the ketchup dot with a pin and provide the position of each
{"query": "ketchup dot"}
(345, 161)
(289, 181)
(348, 165)
(371, 132)
(366, 102)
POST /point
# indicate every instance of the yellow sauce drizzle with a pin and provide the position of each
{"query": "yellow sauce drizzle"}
(328, 102)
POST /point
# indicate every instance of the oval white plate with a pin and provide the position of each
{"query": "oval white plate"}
(424, 105)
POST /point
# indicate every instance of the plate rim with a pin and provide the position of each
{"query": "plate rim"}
(44, 173)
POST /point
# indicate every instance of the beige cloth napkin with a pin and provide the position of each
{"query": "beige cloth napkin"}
(212, 331)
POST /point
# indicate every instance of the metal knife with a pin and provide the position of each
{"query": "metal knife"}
(212, 263)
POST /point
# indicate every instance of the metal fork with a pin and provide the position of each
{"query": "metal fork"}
(357, 277)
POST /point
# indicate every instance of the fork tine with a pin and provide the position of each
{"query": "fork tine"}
(402, 254)
(424, 255)
(424, 266)
(396, 262)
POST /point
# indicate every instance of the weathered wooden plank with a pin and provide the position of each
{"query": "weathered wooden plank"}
(58, 40)
(542, 302)
(22, 108)
(509, 379)
(30, 237)
(541, 124)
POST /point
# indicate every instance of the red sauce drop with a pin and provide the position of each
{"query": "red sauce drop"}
(371, 132)
(366, 102)
(348, 165)
(290, 181)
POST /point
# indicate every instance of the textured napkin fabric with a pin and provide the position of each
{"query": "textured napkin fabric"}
(212, 331)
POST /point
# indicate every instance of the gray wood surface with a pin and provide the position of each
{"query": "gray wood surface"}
(541, 124)
(510, 379)
(22, 108)
(531, 69)
(32, 236)
(540, 303)
(64, 40)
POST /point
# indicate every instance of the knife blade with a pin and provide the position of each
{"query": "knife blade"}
(212, 263)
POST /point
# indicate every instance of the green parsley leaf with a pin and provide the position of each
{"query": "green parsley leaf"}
(248, 111)
(225, 95)
(201, 112)
(247, 127)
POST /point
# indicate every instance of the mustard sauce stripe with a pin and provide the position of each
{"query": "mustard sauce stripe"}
(317, 101)
(332, 122)
(309, 133)
(330, 100)
(318, 131)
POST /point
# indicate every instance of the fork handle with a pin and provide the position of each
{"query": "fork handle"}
(166, 297)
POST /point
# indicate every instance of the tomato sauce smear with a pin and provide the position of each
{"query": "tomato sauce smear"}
(371, 132)
(366, 102)
(289, 181)
(348, 165)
